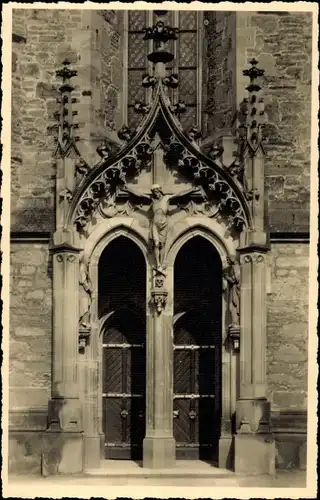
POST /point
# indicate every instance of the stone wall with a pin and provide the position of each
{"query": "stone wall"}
(30, 325)
(287, 324)
(270, 37)
(42, 39)
(29, 354)
(287, 351)
(286, 58)
(219, 72)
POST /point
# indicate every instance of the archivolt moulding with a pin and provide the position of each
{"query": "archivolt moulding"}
(224, 247)
(107, 231)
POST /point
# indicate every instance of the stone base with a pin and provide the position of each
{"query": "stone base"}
(159, 452)
(226, 453)
(25, 449)
(92, 452)
(62, 453)
(254, 454)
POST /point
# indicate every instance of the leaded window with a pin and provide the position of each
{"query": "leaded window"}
(187, 62)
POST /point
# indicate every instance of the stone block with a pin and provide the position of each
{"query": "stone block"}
(61, 453)
(92, 452)
(28, 419)
(254, 454)
(296, 398)
(28, 331)
(27, 256)
(35, 295)
(226, 452)
(27, 270)
(19, 397)
(290, 451)
(159, 452)
(303, 456)
(25, 450)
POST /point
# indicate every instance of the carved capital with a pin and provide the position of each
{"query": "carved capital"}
(159, 299)
(252, 257)
(65, 257)
(234, 337)
(84, 337)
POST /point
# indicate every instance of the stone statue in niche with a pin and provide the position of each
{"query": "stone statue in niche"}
(231, 283)
(159, 221)
(86, 291)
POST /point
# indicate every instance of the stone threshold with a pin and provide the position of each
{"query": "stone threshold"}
(182, 468)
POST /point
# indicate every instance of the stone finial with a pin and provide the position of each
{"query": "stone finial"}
(148, 81)
(178, 108)
(251, 118)
(171, 81)
(194, 134)
(253, 73)
(160, 34)
(125, 133)
(141, 108)
(216, 151)
(103, 151)
(65, 114)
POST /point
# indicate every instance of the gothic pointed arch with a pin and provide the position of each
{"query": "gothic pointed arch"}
(160, 143)
(101, 189)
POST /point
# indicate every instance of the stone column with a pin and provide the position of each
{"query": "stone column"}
(62, 450)
(90, 358)
(159, 444)
(254, 444)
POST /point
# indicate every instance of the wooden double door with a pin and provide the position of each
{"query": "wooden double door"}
(196, 385)
(124, 382)
(196, 405)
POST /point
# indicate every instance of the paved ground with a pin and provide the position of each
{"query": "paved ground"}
(290, 483)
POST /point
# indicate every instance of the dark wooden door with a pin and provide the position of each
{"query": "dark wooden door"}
(124, 386)
(196, 387)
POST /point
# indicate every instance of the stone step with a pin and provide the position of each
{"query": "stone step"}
(182, 468)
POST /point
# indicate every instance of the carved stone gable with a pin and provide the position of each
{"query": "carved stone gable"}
(160, 152)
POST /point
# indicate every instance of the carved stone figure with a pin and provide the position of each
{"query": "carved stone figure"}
(231, 282)
(85, 292)
(104, 150)
(237, 171)
(159, 222)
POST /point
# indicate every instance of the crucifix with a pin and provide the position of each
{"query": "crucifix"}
(160, 202)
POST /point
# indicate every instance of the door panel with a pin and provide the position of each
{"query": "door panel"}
(196, 406)
(124, 386)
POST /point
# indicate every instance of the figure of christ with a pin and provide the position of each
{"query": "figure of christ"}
(159, 223)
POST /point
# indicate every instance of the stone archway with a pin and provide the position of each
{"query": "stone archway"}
(122, 298)
(220, 249)
(197, 336)
(124, 243)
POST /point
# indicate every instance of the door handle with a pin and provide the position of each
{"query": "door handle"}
(176, 413)
(192, 414)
